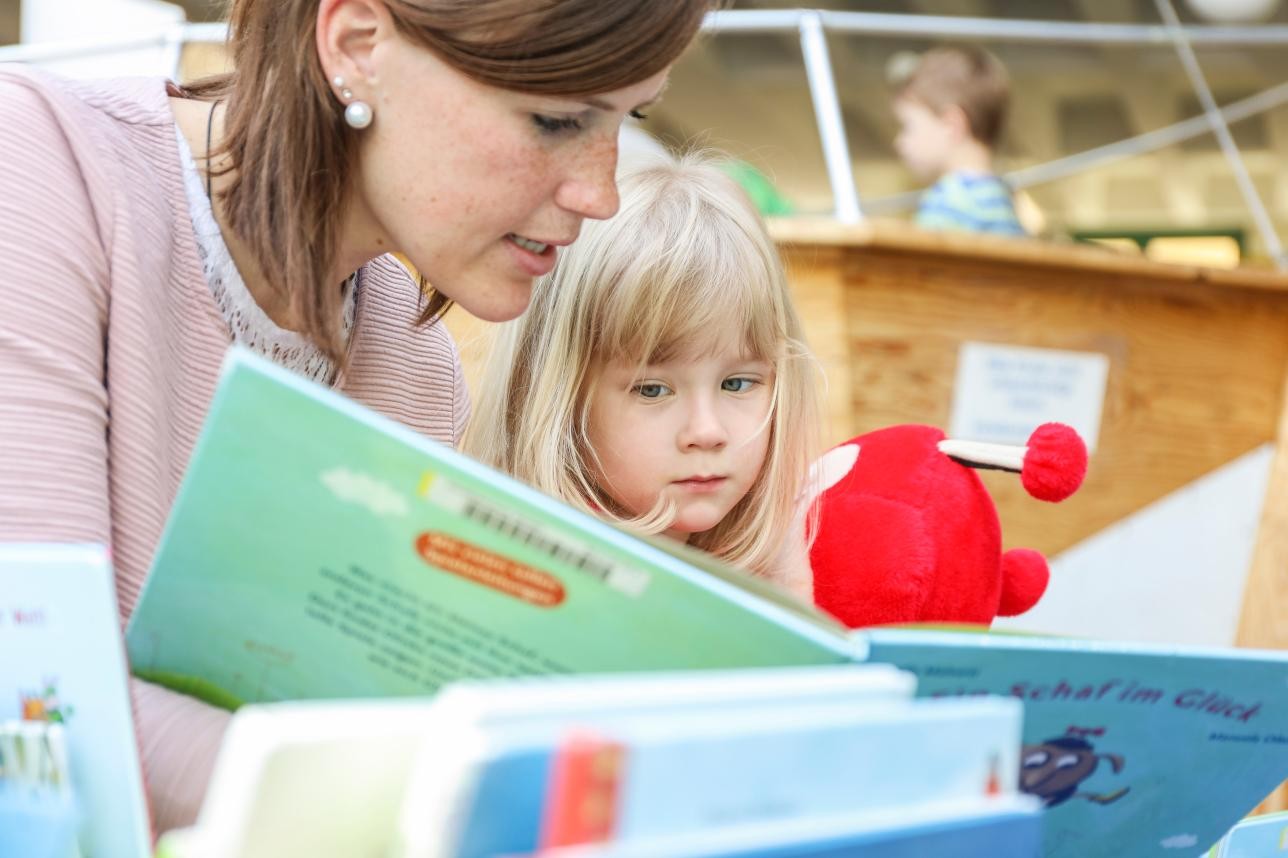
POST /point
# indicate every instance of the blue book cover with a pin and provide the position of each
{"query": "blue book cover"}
(62, 661)
(1001, 827)
(688, 772)
(1134, 750)
(547, 708)
(1260, 836)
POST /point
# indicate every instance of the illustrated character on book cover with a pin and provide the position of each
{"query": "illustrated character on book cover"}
(44, 705)
(1054, 769)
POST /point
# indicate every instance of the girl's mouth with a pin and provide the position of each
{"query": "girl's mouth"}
(701, 484)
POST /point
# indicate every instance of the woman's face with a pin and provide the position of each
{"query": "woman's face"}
(479, 186)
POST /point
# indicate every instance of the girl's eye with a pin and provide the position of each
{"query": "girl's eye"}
(635, 114)
(650, 390)
(738, 385)
(556, 124)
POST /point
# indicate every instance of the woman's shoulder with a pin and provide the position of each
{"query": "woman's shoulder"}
(131, 101)
(389, 302)
(390, 293)
(100, 156)
(409, 372)
(117, 136)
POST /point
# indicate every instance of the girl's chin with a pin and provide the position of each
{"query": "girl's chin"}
(685, 530)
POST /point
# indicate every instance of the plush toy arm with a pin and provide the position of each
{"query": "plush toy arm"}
(1024, 579)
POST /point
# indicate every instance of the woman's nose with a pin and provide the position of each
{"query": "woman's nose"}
(590, 189)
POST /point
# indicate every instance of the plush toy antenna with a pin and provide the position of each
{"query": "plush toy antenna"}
(1051, 467)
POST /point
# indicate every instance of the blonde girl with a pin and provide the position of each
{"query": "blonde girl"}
(660, 378)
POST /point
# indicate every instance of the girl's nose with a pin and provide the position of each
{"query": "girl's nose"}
(703, 430)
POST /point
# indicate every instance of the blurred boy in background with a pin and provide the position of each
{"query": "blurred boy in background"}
(951, 109)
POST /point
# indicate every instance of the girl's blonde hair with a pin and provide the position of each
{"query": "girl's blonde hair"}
(684, 259)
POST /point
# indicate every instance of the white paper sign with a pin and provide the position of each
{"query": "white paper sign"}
(1003, 393)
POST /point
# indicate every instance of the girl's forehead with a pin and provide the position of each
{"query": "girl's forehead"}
(724, 342)
(730, 342)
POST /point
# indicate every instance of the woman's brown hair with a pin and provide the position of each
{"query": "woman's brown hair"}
(291, 153)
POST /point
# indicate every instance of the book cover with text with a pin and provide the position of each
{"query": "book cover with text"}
(1133, 749)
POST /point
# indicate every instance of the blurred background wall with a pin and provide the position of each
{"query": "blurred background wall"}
(1192, 402)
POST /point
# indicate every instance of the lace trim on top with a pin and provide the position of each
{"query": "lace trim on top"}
(247, 322)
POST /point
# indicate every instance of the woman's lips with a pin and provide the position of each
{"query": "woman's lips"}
(533, 264)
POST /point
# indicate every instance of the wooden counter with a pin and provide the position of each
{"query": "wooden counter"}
(1197, 364)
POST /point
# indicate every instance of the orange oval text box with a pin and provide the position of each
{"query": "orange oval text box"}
(491, 570)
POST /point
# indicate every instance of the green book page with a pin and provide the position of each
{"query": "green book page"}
(317, 550)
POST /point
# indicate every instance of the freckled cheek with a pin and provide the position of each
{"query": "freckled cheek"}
(603, 151)
(524, 172)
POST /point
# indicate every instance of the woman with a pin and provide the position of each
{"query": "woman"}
(143, 227)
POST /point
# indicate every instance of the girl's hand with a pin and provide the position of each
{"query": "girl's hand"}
(791, 570)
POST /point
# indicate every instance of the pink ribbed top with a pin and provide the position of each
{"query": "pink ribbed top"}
(110, 348)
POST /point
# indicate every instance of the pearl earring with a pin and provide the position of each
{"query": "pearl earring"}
(357, 114)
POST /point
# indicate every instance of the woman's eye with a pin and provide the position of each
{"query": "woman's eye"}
(635, 114)
(737, 385)
(556, 124)
(651, 390)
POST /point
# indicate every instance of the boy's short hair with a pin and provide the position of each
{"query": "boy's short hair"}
(963, 76)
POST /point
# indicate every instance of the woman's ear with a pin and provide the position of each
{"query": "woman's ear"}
(348, 33)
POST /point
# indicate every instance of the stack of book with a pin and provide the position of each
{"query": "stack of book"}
(705, 763)
(428, 658)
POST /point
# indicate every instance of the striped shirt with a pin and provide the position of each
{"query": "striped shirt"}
(111, 344)
(970, 202)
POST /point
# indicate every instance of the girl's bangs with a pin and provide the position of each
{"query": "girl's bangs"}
(696, 293)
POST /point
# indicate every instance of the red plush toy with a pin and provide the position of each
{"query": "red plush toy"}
(908, 533)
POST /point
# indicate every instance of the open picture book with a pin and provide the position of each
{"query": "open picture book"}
(319, 550)
(335, 777)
